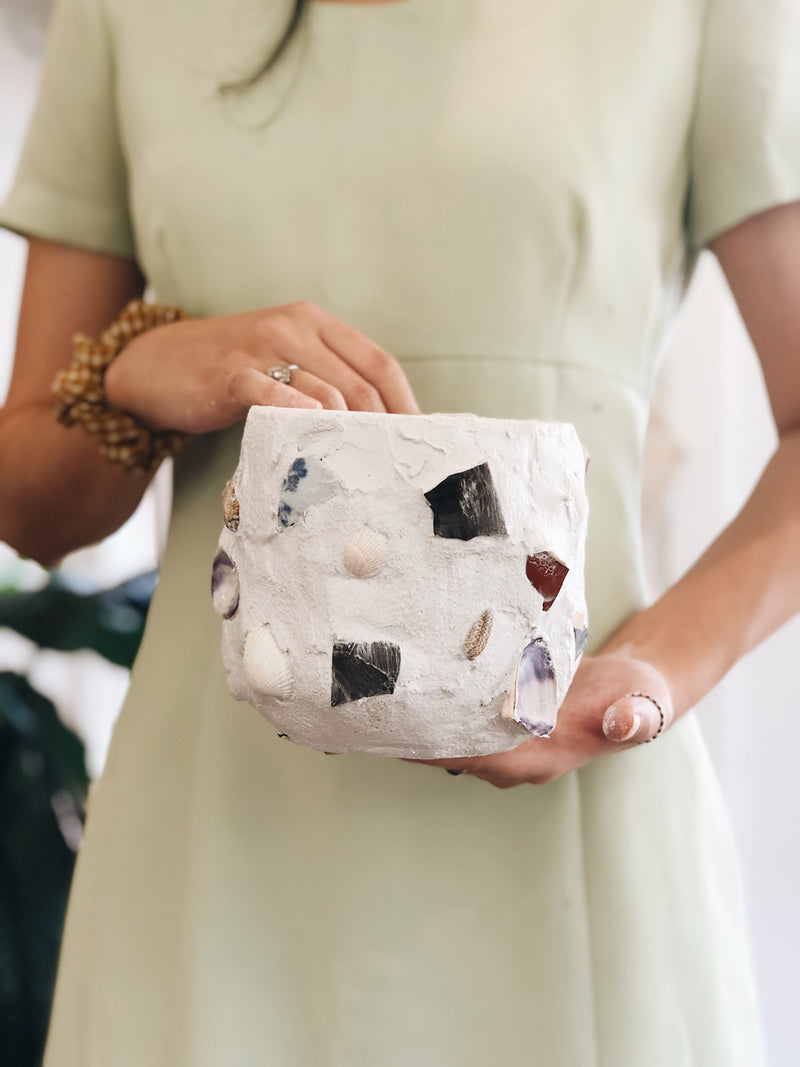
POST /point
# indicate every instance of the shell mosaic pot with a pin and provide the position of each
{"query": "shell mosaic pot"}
(403, 585)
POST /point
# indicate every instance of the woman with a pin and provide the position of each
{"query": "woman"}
(464, 204)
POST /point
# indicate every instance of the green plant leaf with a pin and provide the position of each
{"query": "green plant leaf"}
(110, 622)
(42, 774)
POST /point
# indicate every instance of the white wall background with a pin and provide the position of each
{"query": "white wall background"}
(709, 438)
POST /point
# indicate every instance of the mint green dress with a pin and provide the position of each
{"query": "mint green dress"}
(507, 195)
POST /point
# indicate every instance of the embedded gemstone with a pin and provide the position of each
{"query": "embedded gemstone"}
(546, 574)
(465, 505)
(535, 704)
(363, 669)
(307, 482)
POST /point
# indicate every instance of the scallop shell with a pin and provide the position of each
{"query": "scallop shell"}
(365, 553)
(266, 667)
(224, 585)
(230, 507)
(477, 638)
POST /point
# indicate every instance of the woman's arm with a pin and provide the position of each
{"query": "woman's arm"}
(747, 583)
(743, 587)
(56, 491)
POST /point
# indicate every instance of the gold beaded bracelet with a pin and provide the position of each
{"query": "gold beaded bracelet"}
(122, 439)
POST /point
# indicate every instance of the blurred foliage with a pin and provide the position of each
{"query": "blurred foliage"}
(43, 789)
(43, 783)
(110, 622)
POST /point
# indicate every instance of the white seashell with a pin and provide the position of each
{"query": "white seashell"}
(230, 507)
(365, 553)
(478, 636)
(266, 667)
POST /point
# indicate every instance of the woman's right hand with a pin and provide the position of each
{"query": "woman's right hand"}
(205, 374)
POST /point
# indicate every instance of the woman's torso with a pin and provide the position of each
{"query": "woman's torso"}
(494, 192)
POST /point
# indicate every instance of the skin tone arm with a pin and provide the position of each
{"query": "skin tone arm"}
(79, 291)
(57, 493)
(743, 587)
(747, 583)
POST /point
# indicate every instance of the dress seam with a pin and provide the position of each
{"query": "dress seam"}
(460, 357)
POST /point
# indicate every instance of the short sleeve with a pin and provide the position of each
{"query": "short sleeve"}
(71, 183)
(745, 140)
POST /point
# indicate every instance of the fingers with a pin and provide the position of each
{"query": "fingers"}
(249, 387)
(328, 395)
(330, 350)
(325, 371)
(375, 366)
(634, 719)
(502, 770)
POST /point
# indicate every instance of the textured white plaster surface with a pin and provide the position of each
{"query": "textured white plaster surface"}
(430, 590)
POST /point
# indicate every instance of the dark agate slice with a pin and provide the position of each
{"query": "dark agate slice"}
(224, 586)
(465, 505)
(535, 701)
(546, 574)
(365, 669)
(307, 482)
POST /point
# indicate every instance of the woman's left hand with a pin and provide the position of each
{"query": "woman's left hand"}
(598, 717)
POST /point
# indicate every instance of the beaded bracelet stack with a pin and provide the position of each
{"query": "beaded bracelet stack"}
(121, 438)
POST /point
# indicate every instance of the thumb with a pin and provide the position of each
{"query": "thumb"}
(635, 718)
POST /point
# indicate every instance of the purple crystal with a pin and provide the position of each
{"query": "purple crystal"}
(535, 697)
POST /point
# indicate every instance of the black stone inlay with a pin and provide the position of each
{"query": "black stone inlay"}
(465, 505)
(365, 669)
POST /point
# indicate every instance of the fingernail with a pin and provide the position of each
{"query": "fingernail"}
(610, 720)
(637, 722)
